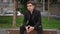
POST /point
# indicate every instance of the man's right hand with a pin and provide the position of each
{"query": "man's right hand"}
(27, 28)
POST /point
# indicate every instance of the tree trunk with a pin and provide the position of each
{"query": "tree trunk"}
(48, 10)
(15, 12)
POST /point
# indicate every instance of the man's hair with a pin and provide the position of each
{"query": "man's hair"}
(31, 2)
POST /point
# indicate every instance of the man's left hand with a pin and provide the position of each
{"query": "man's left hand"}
(31, 28)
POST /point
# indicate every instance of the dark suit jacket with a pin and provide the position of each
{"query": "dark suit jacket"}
(33, 19)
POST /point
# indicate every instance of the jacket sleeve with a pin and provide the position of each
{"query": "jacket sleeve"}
(39, 20)
(25, 20)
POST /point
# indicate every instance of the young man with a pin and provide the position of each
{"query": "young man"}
(32, 19)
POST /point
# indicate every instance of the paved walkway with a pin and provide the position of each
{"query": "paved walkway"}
(2, 31)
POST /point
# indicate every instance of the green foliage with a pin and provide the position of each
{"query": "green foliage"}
(23, 1)
(24, 8)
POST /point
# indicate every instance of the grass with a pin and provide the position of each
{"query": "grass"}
(51, 24)
(6, 22)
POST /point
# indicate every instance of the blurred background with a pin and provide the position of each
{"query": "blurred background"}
(12, 13)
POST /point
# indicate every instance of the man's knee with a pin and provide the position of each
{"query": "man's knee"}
(22, 28)
(38, 28)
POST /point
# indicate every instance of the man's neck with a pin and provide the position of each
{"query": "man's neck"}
(31, 11)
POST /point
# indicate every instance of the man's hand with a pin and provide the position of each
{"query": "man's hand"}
(30, 29)
(27, 28)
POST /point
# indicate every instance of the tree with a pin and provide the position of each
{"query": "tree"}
(48, 10)
(15, 12)
(23, 2)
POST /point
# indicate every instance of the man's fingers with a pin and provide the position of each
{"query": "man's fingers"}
(29, 30)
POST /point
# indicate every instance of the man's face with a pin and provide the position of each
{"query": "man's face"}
(30, 7)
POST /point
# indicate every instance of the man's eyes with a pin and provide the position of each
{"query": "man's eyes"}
(29, 6)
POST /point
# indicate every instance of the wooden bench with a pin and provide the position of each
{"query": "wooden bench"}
(32, 32)
(18, 32)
